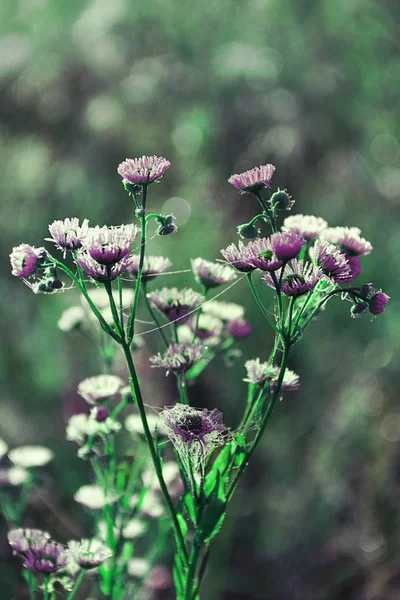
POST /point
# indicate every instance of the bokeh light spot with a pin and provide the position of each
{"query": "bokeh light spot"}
(178, 207)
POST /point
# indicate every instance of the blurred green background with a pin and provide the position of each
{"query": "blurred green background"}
(218, 87)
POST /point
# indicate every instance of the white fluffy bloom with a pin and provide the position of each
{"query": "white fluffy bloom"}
(71, 318)
(93, 497)
(14, 476)
(82, 426)
(137, 567)
(99, 387)
(133, 529)
(133, 424)
(227, 311)
(31, 456)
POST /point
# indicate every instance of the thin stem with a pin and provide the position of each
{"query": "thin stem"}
(152, 313)
(266, 210)
(121, 308)
(194, 557)
(258, 300)
(77, 585)
(291, 307)
(135, 388)
(182, 388)
(199, 311)
(119, 326)
(46, 587)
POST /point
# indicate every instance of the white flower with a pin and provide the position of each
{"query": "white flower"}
(31, 456)
(227, 311)
(99, 297)
(151, 505)
(93, 497)
(14, 476)
(3, 448)
(82, 426)
(99, 387)
(89, 554)
(137, 567)
(71, 318)
(133, 424)
(134, 528)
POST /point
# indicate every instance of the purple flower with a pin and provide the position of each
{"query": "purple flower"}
(178, 358)
(109, 245)
(152, 266)
(208, 326)
(332, 261)
(210, 274)
(89, 554)
(24, 260)
(37, 551)
(377, 303)
(239, 257)
(298, 278)
(68, 234)
(306, 226)
(286, 245)
(258, 372)
(239, 329)
(349, 239)
(253, 180)
(145, 169)
(176, 304)
(262, 256)
(355, 268)
(100, 272)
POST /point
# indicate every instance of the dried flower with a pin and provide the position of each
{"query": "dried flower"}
(38, 552)
(332, 261)
(176, 304)
(71, 318)
(100, 387)
(210, 274)
(30, 456)
(348, 239)
(108, 245)
(306, 226)
(254, 179)
(89, 554)
(152, 266)
(238, 257)
(100, 272)
(286, 245)
(24, 260)
(146, 169)
(298, 278)
(178, 358)
(68, 234)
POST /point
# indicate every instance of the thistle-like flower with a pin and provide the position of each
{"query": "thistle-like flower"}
(89, 554)
(25, 260)
(261, 255)
(194, 433)
(286, 245)
(377, 303)
(146, 169)
(238, 257)
(100, 387)
(298, 278)
(178, 358)
(348, 239)
(210, 274)
(332, 261)
(38, 552)
(306, 226)
(108, 245)
(100, 272)
(176, 304)
(253, 180)
(68, 234)
(258, 372)
(152, 266)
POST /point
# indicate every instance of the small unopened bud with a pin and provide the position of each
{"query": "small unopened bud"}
(55, 284)
(247, 231)
(101, 414)
(358, 308)
(281, 200)
(378, 302)
(140, 212)
(167, 225)
(366, 290)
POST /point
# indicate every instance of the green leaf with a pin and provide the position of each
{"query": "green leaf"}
(211, 521)
(199, 367)
(182, 524)
(240, 450)
(190, 506)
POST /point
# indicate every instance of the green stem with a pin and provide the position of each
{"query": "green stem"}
(190, 580)
(182, 389)
(152, 313)
(266, 210)
(77, 585)
(46, 587)
(119, 326)
(258, 300)
(135, 387)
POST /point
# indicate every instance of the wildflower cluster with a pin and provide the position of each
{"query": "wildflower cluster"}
(191, 480)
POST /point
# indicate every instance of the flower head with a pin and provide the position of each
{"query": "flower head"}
(38, 552)
(30, 456)
(178, 358)
(82, 427)
(71, 318)
(258, 372)
(261, 255)
(89, 554)
(68, 234)
(332, 261)
(298, 278)
(176, 304)
(152, 266)
(286, 245)
(24, 260)
(377, 303)
(227, 311)
(210, 274)
(348, 239)
(94, 498)
(13, 476)
(100, 272)
(194, 433)
(238, 257)
(207, 326)
(108, 245)
(145, 169)
(133, 424)
(306, 226)
(100, 387)
(254, 179)
(355, 268)
(239, 329)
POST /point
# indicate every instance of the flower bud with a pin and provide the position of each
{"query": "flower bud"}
(140, 212)
(281, 200)
(358, 308)
(366, 290)
(167, 225)
(101, 414)
(378, 302)
(247, 231)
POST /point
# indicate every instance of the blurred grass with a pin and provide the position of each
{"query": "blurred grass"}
(217, 88)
